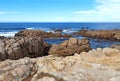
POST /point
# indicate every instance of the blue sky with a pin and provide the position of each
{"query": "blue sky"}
(59, 10)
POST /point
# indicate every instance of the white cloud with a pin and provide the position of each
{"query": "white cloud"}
(105, 10)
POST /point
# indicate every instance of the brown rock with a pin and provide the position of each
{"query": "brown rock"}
(70, 47)
(102, 34)
(40, 33)
(20, 47)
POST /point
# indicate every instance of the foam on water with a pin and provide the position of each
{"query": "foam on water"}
(30, 28)
(8, 34)
(68, 31)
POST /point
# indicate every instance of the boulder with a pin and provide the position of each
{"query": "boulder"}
(19, 47)
(40, 33)
(69, 47)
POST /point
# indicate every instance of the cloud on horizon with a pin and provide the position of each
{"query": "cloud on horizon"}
(104, 11)
(4, 12)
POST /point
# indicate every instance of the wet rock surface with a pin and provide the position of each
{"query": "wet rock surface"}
(19, 47)
(69, 47)
(96, 65)
(43, 34)
(101, 34)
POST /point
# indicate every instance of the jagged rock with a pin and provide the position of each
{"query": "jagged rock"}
(102, 34)
(96, 65)
(69, 47)
(20, 47)
(40, 33)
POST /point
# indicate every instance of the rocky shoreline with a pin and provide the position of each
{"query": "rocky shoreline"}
(27, 57)
(101, 34)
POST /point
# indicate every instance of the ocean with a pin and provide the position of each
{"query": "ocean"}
(9, 30)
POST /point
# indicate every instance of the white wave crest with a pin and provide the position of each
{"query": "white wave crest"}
(68, 31)
(8, 34)
(30, 28)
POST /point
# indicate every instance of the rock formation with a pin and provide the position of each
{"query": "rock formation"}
(102, 34)
(69, 47)
(40, 33)
(95, 65)
(19, 47)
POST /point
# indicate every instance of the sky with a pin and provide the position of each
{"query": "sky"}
(59, 10)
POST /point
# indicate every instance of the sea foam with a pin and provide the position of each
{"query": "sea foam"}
(8, 34)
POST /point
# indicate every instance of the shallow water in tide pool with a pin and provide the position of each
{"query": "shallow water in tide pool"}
(94, 43)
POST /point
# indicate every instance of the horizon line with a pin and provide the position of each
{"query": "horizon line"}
(59, 22)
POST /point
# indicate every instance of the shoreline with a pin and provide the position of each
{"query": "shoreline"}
(28, 57)
(97, 38)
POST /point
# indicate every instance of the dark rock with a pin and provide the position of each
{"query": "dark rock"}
(58, 31)
(30, 33)
(101, 34)
(69, 47)
(2, 37)
(20, 47)
(40, 33)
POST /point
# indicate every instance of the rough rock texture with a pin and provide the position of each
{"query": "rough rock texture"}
(41, 34)
(17, 70)
(69, 47)
(95, 65)
(117, 46)
(102, 34)
(15, 48)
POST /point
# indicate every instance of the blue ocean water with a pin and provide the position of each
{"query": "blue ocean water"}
(9, 30)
